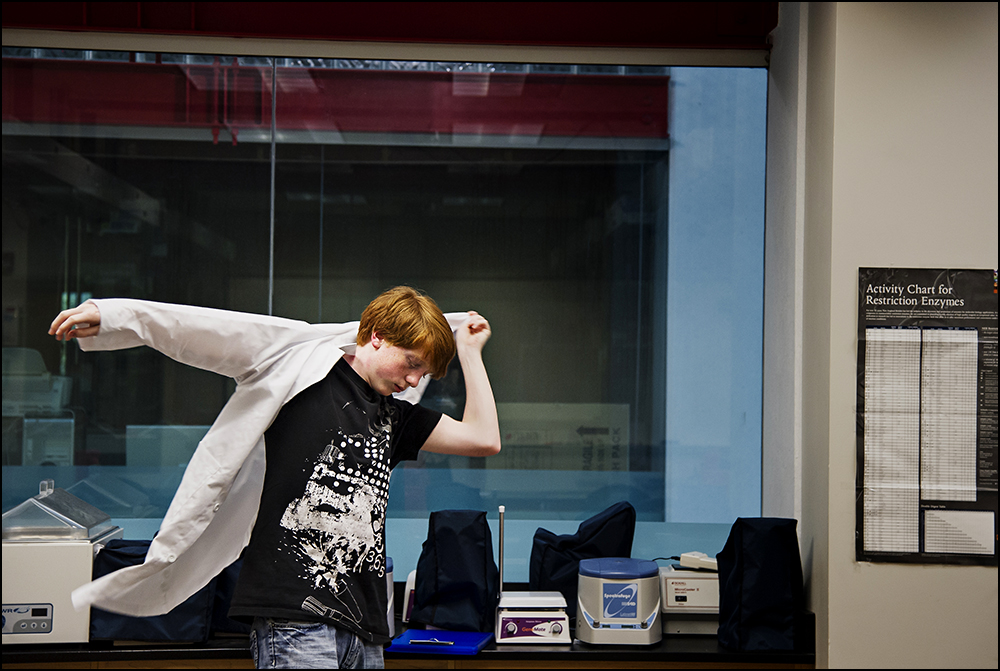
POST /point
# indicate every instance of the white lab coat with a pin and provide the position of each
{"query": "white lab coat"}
(212, 514)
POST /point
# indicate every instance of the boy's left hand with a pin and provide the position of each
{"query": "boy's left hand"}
(474, 333)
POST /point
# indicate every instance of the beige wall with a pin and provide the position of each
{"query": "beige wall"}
(900, 157)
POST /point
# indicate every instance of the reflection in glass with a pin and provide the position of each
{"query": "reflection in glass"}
(115, 183)
(620, 264)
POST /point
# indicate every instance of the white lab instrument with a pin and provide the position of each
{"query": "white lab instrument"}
(49, 543)
(690, 600)
(408, 592)
(530, 617)
(34, 401)
(618, 602)
(390, 612)
(699, 560)
(29, 388)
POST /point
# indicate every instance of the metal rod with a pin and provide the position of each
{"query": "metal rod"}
(65, 302)
(322, 195)
(501, 549)
(270, 265)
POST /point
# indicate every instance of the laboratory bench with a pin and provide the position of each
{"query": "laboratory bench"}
(232, 652)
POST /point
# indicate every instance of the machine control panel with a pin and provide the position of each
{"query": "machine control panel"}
(534, 627)
(27, 618)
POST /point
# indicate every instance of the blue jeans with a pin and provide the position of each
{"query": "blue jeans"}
(281, 644)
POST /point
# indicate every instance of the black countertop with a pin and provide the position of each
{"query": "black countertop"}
(684, 649)
(672, 649)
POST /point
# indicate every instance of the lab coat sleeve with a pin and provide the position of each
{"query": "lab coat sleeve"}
(234, 344)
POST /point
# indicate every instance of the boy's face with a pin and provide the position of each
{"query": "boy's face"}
(394, 369)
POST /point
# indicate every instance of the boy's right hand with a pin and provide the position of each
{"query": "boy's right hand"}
(79, 322)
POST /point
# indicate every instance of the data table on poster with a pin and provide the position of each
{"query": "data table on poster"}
(927, 439)
(892, 435)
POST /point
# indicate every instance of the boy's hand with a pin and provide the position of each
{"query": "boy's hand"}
(79, 322)
(474, 333)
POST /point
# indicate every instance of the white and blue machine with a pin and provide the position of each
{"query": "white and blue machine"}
(618, 602)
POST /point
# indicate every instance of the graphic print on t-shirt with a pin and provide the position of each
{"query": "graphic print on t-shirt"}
(336, 525)
(317, 549)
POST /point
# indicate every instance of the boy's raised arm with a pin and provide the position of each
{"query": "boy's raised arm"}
(478, 434)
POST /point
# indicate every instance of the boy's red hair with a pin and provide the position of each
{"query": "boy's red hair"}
(404, 317)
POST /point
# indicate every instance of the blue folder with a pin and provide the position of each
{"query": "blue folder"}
(439, 642)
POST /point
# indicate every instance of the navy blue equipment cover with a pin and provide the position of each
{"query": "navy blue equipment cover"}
(555, 560)
(203, 613)
(458, 583)
(761, 596)
(190, 621)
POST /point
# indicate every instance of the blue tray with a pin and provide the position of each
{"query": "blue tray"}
(441, 642)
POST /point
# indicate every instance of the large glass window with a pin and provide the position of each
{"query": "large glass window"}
(607, 220)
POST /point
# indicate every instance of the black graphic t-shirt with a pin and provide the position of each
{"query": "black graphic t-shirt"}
(317, 551)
